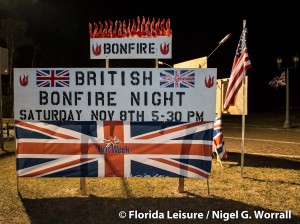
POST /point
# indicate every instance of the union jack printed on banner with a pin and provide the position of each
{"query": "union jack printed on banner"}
(177, 79)
(52, 78)
(141, 149)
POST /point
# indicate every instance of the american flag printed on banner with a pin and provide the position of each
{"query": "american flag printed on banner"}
(241, 63)
(218, 140)
(177, 79)
(52, 78)
(136, 149)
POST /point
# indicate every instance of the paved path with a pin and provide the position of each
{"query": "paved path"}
(263, 134)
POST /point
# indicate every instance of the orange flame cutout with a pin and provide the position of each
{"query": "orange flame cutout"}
(164, 50)
(97, 50)
(24, 80)
(210, 82)
(136, 28)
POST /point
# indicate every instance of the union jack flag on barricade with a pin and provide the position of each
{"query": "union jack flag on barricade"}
(218, 140)
(114, 149)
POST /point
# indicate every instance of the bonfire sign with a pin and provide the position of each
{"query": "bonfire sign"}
(136, 39)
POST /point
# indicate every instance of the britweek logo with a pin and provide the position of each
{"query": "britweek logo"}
(112, 146)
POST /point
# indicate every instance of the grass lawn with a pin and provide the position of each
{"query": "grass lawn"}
(270, 184)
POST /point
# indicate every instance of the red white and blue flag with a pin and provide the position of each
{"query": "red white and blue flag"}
(218, 140)
(240, 65)
(114, 149)
(278, 81)
(52, 78)
(177, 79)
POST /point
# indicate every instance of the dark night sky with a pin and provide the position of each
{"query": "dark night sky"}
(61, 29)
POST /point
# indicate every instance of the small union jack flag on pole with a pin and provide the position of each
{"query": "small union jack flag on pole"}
(52, 78)
(278, 81)
(177, 79)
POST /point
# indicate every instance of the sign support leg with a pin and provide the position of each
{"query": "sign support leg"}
(181, 185)
(208, 190)
(83, 186)
(1, 117)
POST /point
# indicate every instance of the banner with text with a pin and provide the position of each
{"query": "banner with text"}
(133, 122)
(114, 94)
(136, 39)
(131, 48)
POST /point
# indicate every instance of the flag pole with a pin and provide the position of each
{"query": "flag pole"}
(243, 117)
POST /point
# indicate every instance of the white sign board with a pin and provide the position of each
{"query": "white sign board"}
(130, 48)
(125, 94)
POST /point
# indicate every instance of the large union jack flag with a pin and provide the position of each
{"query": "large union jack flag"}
(52, 78)
(114, 149)
(177, 79)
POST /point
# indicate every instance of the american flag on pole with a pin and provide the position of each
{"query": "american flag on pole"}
(52, 78)
(278, 81)
(177, 79)
(114, 149)
(240, 64)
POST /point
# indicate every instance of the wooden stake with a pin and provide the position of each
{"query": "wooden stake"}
(208, 190)
(83, 186)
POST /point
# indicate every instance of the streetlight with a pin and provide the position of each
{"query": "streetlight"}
(200, 66)
(287, 123)
(163, 63)
(220, 43)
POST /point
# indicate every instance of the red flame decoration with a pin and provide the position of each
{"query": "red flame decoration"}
(142, 28)
(97, 50)
(24, 80)
(165, 50)
(210, 82)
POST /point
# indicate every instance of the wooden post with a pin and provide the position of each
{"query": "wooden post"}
(1, 117)
(83, 186)
(243, 116)
(181, 185)
(208, 190)
(107, 63)
(17, 177)
(219, 98)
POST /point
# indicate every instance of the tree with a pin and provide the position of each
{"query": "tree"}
(36, 50)
(13, 32)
